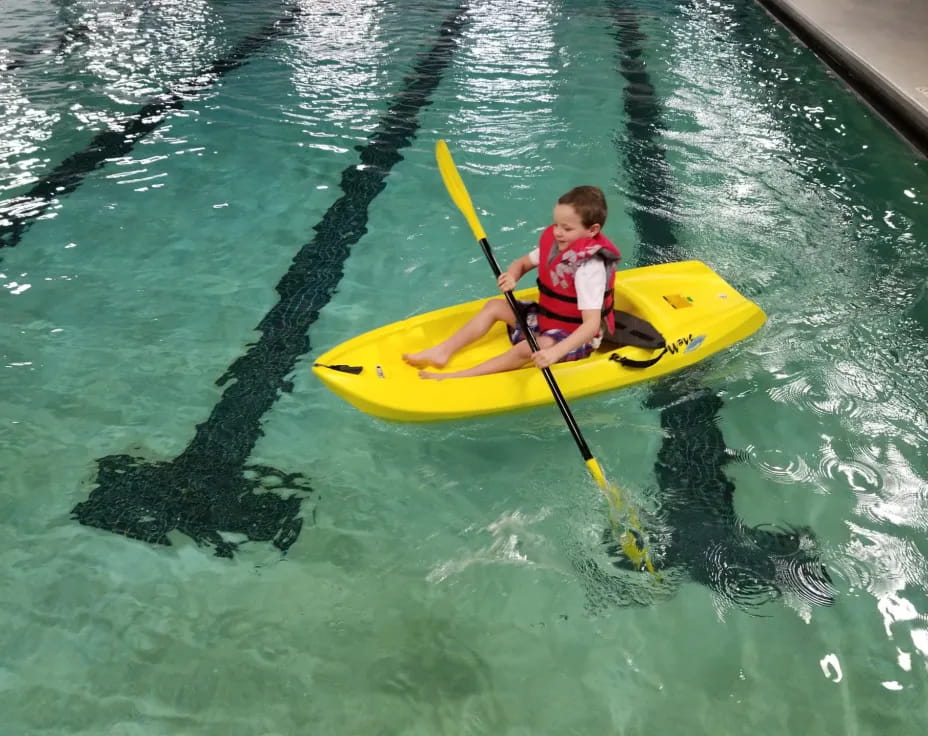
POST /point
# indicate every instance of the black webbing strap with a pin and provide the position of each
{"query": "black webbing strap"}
(632, 363)
(356, 369)
(636, 332)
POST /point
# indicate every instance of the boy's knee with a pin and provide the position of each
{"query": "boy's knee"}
(522, 349)
(546, 341)
(496, 307)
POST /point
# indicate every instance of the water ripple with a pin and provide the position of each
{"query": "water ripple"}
(880, 563)
(859, 476)
(781, 466)
(736, 583)
(823, 401)
(809, 584)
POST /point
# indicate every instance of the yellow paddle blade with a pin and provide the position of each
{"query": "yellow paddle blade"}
(456, 189)
(631, 541)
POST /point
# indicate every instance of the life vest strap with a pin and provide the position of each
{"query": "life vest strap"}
(560, 317)
(542, 289)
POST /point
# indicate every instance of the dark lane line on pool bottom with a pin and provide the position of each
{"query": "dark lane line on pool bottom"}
(68, 38)
(209, 489)
(18, 214)
(700, 532)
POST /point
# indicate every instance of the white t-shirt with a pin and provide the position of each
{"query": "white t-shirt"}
(590, 281)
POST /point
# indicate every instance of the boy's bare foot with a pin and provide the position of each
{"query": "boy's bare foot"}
(433, 376)
(433, 356)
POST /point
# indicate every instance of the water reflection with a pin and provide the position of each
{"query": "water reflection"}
(339, 88)
(110, 55)
(120, 133)
(505, 100)
(815, 209)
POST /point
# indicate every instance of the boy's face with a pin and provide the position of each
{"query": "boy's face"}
(568, 226)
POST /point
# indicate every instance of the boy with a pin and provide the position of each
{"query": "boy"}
(576, 265)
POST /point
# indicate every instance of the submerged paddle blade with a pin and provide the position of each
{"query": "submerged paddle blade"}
(457, 190)
(631, 540)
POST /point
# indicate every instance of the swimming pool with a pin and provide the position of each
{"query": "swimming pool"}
(201, 196)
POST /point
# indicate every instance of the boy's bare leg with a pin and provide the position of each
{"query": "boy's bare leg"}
(516, 357)
(495, 310)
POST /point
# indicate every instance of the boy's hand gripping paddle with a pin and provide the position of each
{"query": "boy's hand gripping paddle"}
(631, 540)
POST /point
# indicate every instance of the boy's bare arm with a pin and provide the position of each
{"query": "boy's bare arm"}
(592, 321)
(510, 277)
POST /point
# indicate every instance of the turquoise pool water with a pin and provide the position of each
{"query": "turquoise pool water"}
(199, 197)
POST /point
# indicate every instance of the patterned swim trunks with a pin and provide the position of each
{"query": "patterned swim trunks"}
(531, 316)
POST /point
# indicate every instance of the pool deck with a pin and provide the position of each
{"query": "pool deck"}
(879, 48)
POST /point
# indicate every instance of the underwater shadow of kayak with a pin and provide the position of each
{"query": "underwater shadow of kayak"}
(698, 535)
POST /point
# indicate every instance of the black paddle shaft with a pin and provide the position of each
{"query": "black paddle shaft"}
(533, 343)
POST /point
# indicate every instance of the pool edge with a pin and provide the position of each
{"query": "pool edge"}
(876, 80)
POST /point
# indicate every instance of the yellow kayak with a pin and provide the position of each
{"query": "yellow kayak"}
(693, 308)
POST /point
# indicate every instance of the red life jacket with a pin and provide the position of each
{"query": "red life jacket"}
(557, 298)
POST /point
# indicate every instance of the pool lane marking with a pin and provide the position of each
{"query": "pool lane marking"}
(22, 211)
(208, 492)
(693, 452)
(70, 36)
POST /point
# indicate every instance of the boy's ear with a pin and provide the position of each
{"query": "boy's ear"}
(596, 229)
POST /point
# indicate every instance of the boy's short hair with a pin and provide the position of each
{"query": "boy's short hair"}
(589, 203)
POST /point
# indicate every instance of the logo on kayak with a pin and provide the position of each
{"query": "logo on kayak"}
(675, 346)
(685, 344)
(695, 343)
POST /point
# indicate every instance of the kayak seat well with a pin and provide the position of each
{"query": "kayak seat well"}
(634, 331)
(632, 326)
